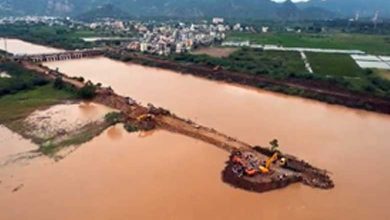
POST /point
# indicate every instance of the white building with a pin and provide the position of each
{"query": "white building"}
(144, 47)
(218, 20)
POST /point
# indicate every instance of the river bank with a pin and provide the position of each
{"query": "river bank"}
(150, 117)
(324, 92)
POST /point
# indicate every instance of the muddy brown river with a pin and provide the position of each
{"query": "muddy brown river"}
(162, 175)
(20, 47)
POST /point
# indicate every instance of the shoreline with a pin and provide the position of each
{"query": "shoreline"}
(317, 90)
(163, 119)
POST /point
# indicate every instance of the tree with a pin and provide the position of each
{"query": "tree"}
(58, 83)
(88, 91)
(274, 145)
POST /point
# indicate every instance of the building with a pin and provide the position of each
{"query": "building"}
(218, 20)
(144, 47)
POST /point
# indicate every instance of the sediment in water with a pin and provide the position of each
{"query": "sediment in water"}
(294, 171)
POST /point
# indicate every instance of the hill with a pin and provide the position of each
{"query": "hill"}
(260, 9)
(348, 8)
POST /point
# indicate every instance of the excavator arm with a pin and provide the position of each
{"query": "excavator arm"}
(265, 169)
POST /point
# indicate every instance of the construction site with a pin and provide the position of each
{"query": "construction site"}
(252, 168)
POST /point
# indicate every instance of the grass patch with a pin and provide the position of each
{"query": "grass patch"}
(20, 105)
(334, 64)
(376, 44)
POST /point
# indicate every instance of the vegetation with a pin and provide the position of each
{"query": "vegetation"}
(130, 127)
(376, 44)
(334, 64)
(254, 61)
(88, 91)
(113, 117)
(59, 83)
(334, 70)
(56, 36)
(18, 106)
(21, 79)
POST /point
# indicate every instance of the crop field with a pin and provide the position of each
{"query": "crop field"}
(334, 64)
(253, 61)
(375, 44)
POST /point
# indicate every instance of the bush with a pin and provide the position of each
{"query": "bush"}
(368, 72)
(88, 91)
(130, 127)
(58, 83)
(113, 117)
(21, 79)
(382, 84)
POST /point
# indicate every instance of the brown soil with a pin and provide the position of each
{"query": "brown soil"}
(215, 51)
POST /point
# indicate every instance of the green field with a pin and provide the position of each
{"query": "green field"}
(269, 61)
(334, 64)
(17, 106)
(375, 44)
(252, 61)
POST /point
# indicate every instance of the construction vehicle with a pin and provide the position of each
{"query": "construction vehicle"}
(145, 117)
(247, 163)
(146, 122)
(265, 169)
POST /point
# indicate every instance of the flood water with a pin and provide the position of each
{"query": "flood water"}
(12, 143)
(19, 47)
(352, 144)
(168, 176)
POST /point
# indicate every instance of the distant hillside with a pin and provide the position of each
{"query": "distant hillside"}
(261, 9)
(103, 12)
(348, 8)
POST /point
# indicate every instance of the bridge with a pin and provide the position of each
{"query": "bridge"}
(66, 55)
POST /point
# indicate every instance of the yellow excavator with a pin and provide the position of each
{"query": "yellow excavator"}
(265, 169)
(145, 117)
